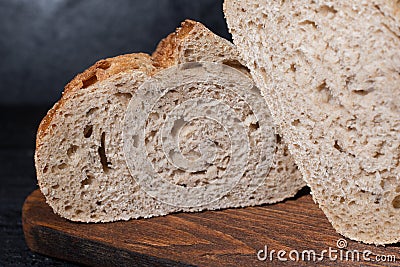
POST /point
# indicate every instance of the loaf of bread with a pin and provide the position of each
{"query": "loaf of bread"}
(330, 73)
(141, 136)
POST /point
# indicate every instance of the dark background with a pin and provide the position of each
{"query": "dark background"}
(43, 45)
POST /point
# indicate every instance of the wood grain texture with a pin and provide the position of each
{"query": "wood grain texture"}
(230, 237)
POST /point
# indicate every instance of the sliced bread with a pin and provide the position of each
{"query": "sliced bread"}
(330, 73)
(87, 161)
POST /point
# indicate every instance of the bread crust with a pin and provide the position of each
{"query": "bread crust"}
(101, 70)
(163, 57)
(133, 69)
(165, 54)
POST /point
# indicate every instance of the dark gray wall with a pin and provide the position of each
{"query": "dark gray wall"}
(44, 43)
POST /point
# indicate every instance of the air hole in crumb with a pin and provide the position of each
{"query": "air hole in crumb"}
(127, 96)
(337, 146)
(62, 166)
(363, 92)
(398, 189)
(67, 208)
(293, 67)
(77, 212)
(153, 116)
(72, 150)
(102, 154)
(89, 81)
(308, 22)
(342, 200)
(199, 172)
(278, 138)
(55, 186)
(327, 9)
(296, 122)
(396, 202)
(322, 86)
(98, 203)
(151, 135)
(188, 52)
(87, 132)
(45, 169)
(88, 180)
(254, 126)
(377, 155)
(235, 64)
(91, 111)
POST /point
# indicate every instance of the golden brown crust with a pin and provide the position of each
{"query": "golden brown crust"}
(100, 71)
(105, 68)
(165, 54)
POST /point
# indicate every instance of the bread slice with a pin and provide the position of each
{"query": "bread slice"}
(330, 73)
(86, 164)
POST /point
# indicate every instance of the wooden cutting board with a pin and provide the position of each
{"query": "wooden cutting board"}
(230, 237)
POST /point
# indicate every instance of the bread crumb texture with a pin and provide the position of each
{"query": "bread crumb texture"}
(80, 164)
(330, 73)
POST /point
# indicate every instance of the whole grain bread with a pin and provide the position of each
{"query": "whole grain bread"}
(330, 73)
(82, 153)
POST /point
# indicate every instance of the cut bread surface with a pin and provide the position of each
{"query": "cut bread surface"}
(207, 134)
(330, 73)
(80, 159)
